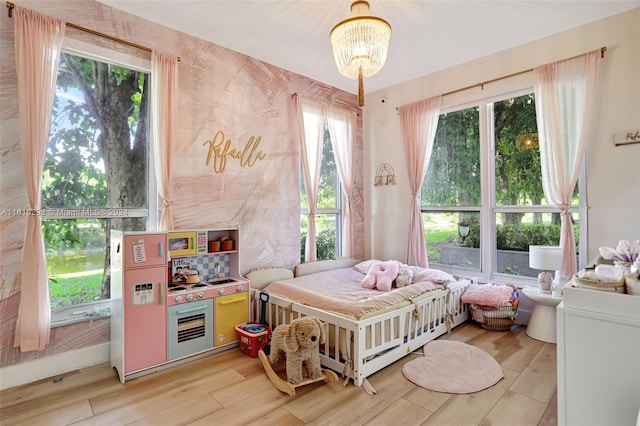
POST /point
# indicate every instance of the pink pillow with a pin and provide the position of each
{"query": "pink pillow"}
(434, 275)
(365, 265)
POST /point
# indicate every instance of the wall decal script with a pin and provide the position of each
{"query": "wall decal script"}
(220, 148)
(626, 138)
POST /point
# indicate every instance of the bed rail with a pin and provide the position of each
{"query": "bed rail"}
(358, 349)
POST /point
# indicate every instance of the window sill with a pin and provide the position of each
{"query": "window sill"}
(80, 313)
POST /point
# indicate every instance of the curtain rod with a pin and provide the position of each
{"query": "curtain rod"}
(493, 80)
(10, 6)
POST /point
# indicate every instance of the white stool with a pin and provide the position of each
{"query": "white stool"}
(542, 325)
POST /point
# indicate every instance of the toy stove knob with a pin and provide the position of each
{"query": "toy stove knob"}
(189, 297)
(179, 299)
(240, 287)
(221, 291)
(200, 295)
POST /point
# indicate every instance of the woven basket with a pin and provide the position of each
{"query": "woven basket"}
(612, 286)
(632, 283)
(496, 319)
(227, 245)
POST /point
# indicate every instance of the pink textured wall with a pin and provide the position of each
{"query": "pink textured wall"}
(220, 91)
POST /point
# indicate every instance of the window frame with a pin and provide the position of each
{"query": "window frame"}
(336, 211)
(102, 308)
(488, 208)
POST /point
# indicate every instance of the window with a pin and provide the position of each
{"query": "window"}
(451, 191)
(328, 211)
(482, 193)
(97, 171)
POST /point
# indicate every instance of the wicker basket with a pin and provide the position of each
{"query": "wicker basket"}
(612, 286)
(496, 319)
(227, 245)
(214, 246)
(632, 283)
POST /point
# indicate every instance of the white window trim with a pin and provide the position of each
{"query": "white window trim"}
(102, 308)
(488, 214)
(340, 202)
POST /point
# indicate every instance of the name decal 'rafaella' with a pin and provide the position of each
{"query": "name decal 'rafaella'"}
(220, 148)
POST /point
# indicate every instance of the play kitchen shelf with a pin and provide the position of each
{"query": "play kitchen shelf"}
(159, 318)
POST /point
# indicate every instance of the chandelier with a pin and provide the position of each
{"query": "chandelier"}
(360, 45)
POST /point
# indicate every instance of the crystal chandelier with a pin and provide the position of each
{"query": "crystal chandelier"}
(360, 45)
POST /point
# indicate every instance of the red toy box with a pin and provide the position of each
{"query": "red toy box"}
(252, 337)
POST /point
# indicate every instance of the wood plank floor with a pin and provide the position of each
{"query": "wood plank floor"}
(230, 388)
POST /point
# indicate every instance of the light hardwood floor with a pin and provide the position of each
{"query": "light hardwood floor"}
(231, 388)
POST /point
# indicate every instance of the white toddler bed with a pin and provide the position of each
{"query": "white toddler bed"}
(363, 341)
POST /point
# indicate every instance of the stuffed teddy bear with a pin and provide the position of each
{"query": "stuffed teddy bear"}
(405, 276)
(381, 275)
(299, 344)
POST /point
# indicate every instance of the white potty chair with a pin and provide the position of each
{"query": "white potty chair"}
(542, 325)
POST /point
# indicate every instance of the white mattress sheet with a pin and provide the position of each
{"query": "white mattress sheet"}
(340, 290)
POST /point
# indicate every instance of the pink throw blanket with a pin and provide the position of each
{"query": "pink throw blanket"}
(488, 295)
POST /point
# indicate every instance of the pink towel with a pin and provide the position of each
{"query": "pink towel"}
(487, 294)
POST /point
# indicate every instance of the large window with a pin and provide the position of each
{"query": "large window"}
(482, 197)
(451, 192)
(97, 172)
(328, 210)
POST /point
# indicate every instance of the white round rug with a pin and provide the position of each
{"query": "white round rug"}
(453, 367)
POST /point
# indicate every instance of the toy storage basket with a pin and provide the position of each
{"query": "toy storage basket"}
(252, 337)
(496, 319)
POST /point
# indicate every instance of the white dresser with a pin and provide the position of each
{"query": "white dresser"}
(598, 358)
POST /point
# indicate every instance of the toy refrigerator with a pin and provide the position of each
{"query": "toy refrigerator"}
(138, 310)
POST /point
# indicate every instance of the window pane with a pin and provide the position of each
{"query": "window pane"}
(328, 184)
(328, 205)
(453, 175)
(518, 178)
(515, 232)
(97, 157)
(328, 188)
(75, 250)
(326, 231)
(453, 238)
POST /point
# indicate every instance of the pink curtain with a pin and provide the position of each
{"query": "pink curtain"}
(565, 93)
(164, 89)
(38, 40)
(311, 116)
(419, 122)
(342, 123)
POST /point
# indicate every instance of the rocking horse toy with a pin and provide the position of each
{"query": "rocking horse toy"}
(298, 344)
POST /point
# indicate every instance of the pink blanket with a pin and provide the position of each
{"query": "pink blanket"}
(339, 290)
(488, 295)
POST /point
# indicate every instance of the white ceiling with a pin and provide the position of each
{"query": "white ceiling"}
(427, 35)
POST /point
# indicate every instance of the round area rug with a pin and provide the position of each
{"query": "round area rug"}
(453, 367)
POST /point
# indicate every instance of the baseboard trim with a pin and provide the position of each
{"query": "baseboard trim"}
(30, 371)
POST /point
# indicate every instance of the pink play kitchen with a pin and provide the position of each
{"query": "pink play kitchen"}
(176, 297)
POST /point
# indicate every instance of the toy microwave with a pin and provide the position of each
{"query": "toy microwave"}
(182, 243)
